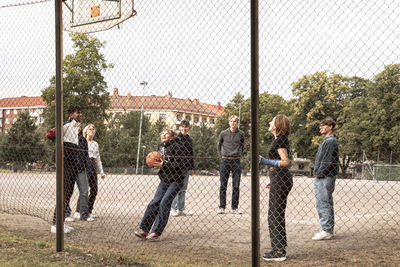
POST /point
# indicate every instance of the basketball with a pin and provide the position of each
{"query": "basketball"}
(153, 157)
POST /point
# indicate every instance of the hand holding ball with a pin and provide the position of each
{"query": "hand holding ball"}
(153, 159)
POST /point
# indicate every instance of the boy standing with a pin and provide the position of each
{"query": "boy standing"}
(178, 205)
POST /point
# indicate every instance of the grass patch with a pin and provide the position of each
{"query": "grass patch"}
(18, 248)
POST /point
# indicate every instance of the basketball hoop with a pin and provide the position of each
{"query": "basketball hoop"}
(85, 16)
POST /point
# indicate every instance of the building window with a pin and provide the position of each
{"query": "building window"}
(40, 111)
(196, 119)
(211, 121)
(148, 115)
(163, 116)
(204, 120)
(188, 118)
(179, 117)
(15, 111)
(30, 110)
(7, 120)
(7, 111)
(14, 120)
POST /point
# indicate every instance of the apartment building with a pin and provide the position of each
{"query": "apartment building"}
(167, 108)
(11, 107)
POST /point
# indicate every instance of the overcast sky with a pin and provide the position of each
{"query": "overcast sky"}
(201, 49)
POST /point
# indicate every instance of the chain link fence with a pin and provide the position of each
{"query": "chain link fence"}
(175, 68)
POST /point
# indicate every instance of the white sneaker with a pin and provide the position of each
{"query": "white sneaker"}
(77, 215)
(174, 213)
(237, 211)
(322, 236)
(186, 213)
(67, 226)
(221, 211)
(67, 229)
(90, 219)
(69, 219)
(92, 215)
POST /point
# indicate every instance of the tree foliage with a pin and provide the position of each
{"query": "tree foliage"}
(23, 144)
(204, 147)
(83, 83)
(370, 122)
(120, 144)
(316, 97)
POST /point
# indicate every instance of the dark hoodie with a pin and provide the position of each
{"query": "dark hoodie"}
(172, 169)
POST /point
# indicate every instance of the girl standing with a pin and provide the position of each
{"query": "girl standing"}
(94, 168)
(281, 182)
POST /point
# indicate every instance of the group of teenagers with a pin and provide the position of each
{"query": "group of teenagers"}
(82, 163)
(177, 164)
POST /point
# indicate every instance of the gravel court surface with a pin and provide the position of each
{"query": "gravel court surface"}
(367, 212)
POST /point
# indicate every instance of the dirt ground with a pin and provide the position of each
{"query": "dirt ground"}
(367, 221)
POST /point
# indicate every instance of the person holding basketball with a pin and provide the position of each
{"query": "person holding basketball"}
(172, 177)
(281, 182)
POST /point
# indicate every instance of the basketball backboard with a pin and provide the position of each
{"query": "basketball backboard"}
(85, 16)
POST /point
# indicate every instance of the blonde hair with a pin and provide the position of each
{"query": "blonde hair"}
(236, 118)
(171, 132)
(86, 128)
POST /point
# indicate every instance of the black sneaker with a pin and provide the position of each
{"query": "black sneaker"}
(275, 255)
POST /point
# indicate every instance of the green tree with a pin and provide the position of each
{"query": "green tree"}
(371, 121)
(119, 146)
(152, 136)
(83, 83)
(317, 96)
(204, 148)
(270, 106)
(23, 144)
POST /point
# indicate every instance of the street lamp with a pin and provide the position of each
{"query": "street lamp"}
(140, 127)
(144, 148)
(240, 108)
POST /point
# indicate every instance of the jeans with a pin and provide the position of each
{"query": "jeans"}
(82, 183)
(281, 182)
(93, 188)
(323, 189)
(70, 176)
(82, 206)
(156, 216)
(179, 200)
(227, 166)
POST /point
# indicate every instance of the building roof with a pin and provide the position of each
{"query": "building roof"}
(167, 102)
(23, 101)
(131, 103)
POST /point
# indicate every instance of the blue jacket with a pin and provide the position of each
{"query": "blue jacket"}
(327, 159)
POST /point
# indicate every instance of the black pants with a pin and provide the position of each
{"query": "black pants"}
(70, 176)
(281, 183)
(93, 186)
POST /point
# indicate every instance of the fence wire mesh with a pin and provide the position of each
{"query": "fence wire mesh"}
(176, 68)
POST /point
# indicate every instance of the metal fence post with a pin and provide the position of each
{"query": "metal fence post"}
(59, 124)
(255, 185)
